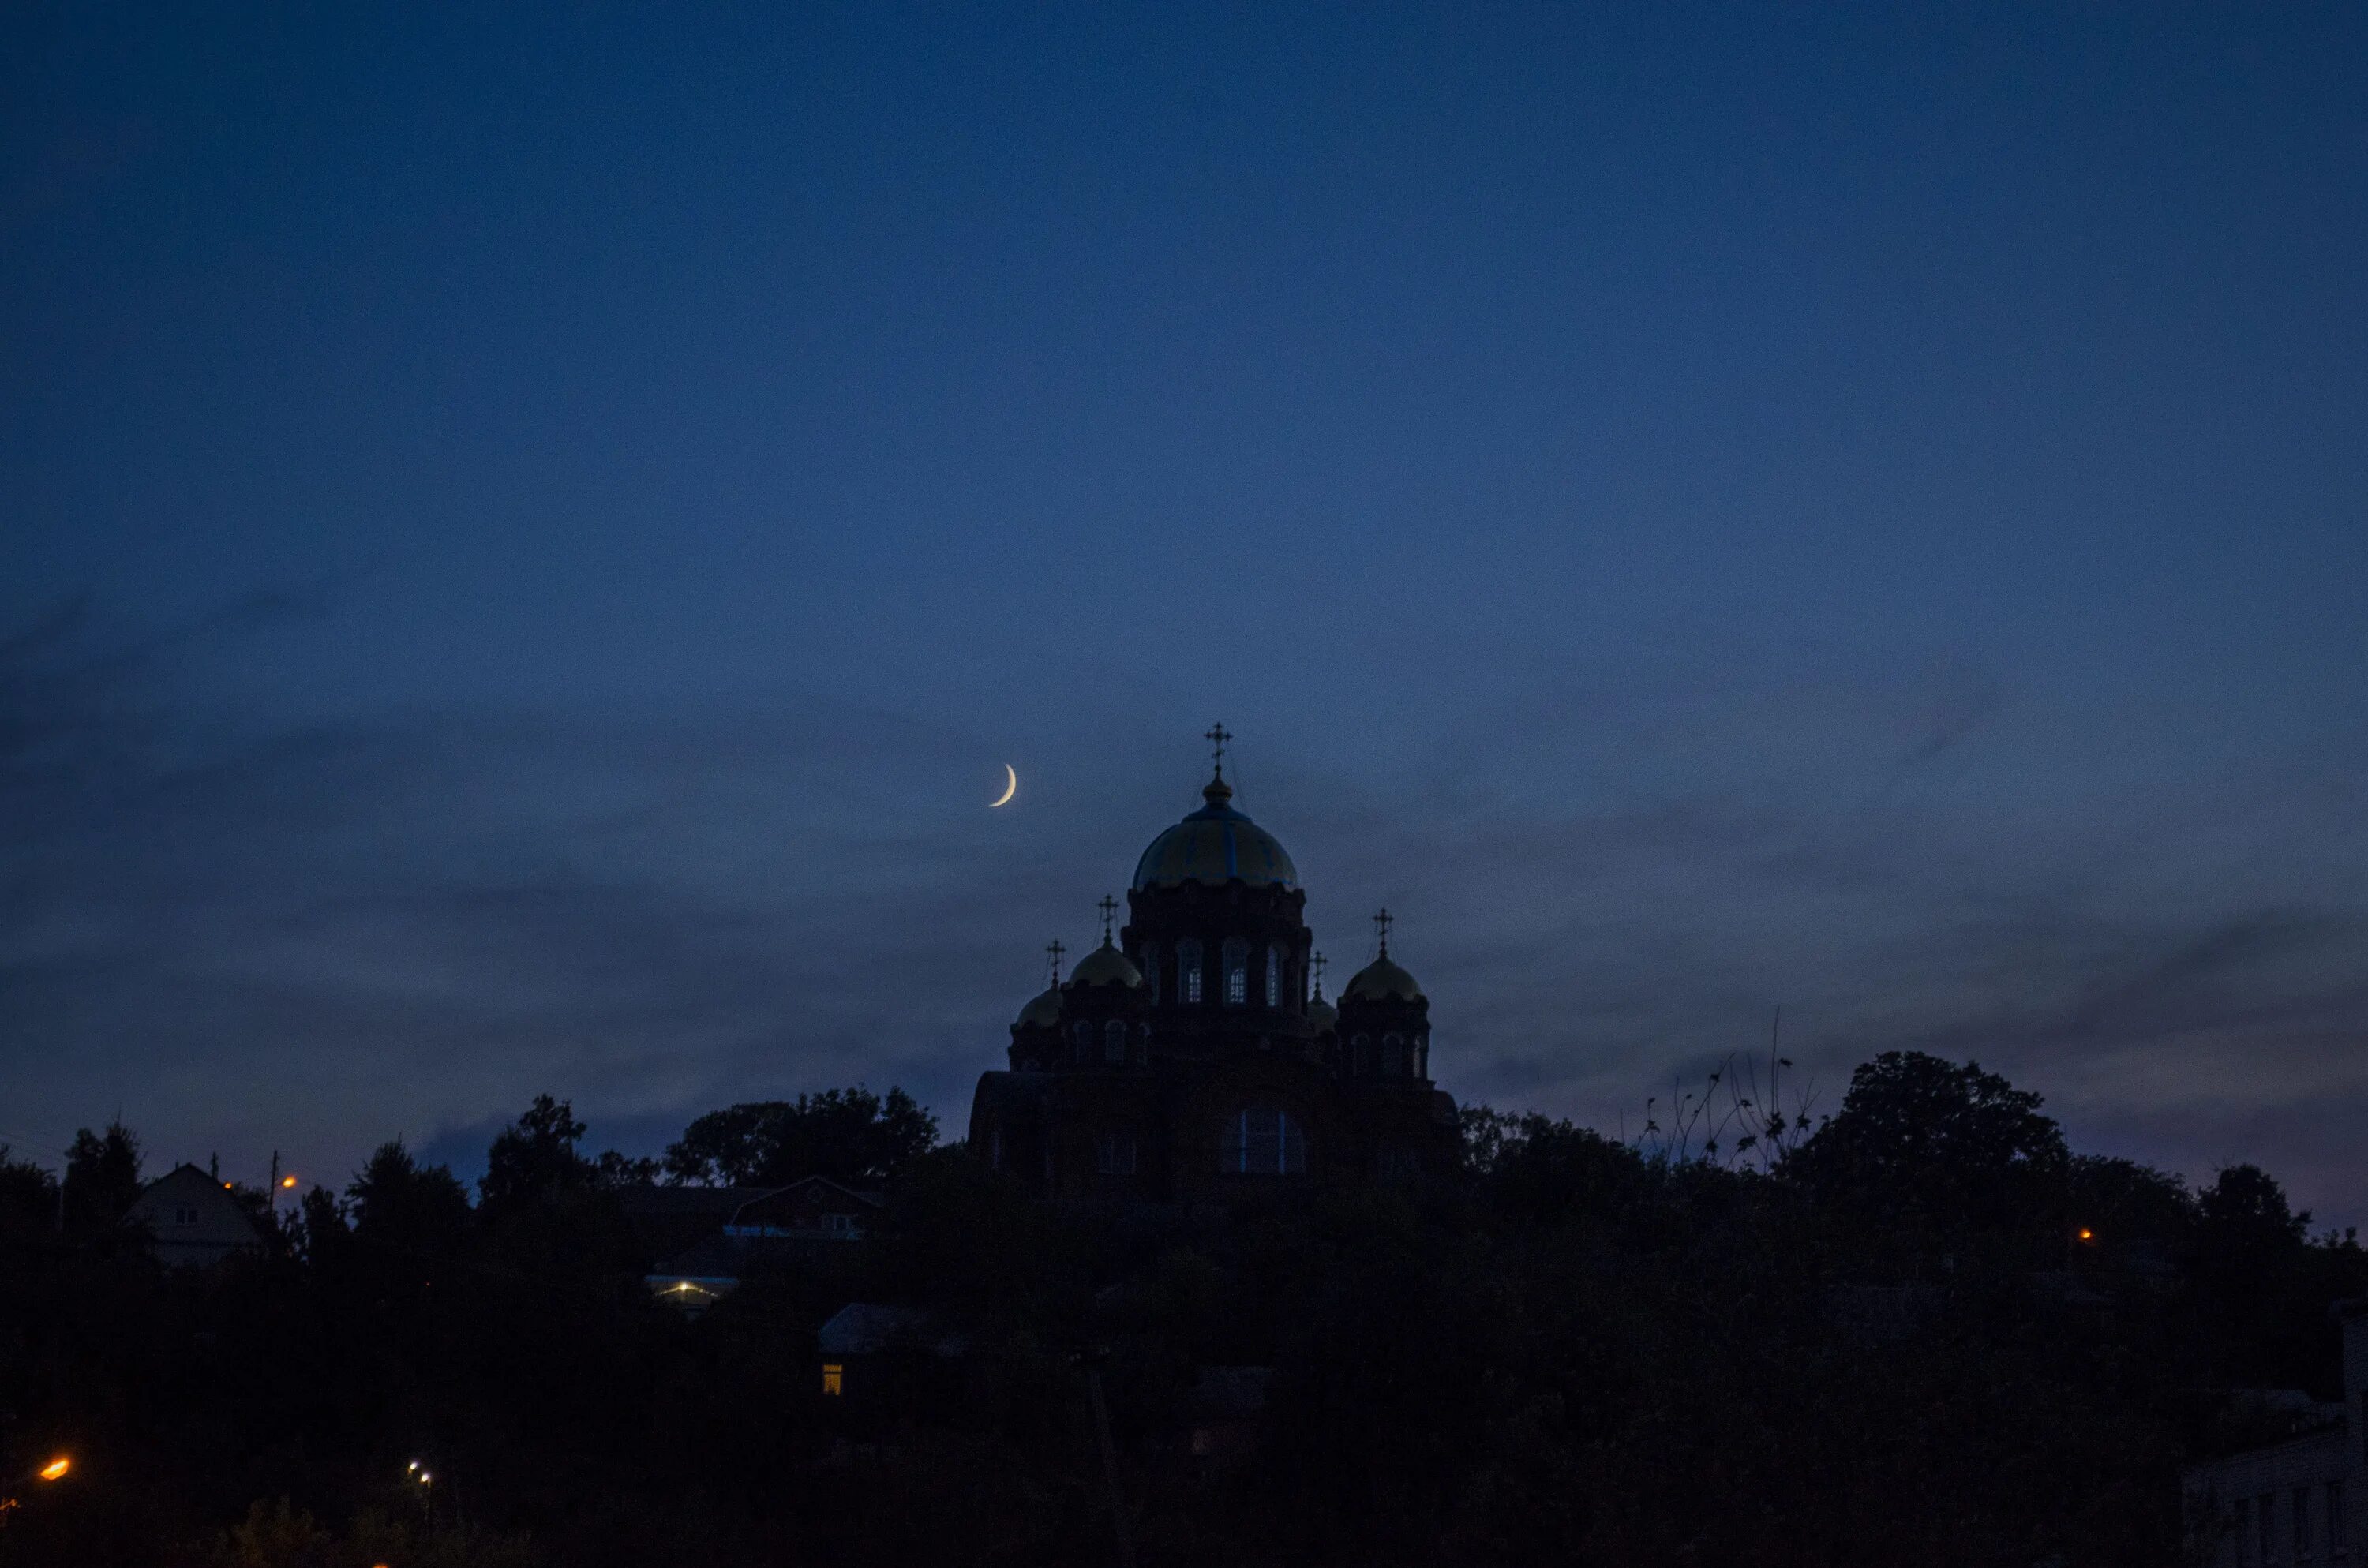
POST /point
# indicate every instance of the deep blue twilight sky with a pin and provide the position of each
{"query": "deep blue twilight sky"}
(529, 540)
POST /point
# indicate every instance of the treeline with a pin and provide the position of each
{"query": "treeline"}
(1921, 1330)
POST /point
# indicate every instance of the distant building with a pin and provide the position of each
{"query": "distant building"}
(1193, 1057)
(192, 1219)
(2298, 1503)
(736, 1227)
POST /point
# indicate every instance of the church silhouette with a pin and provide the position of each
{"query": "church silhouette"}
(1193, 1057)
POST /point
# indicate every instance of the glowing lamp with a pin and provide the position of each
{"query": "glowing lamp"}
(56, 1468)
(2086, 1234)
(288, 1181)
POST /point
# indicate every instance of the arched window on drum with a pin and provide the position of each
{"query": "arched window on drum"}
(1273, 975)
(1264, 1141)
(1237, 972)
(1114, 1044)
(1188, 973)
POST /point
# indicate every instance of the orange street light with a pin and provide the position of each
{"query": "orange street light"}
(2086, 1234)
(56, 1468)
(288, 1181)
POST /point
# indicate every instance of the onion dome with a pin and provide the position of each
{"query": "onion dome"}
(1214, 846)
(1107, 966)
(1321, 1015)
(1045, 1012)
(1382, 980)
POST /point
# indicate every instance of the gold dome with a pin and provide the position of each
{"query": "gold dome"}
(1382, 980)
(1045, 1012)
(1214, 846)
(1106, 966)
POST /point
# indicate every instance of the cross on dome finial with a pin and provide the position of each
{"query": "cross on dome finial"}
(1217, 735)
(1315, 967)
(1052, 950)
(1109, 906)
(1383, 921)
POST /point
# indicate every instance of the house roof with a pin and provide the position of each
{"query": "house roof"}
(218, 1223)
(862, 1328)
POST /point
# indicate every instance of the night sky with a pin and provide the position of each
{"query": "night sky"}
(529, 538)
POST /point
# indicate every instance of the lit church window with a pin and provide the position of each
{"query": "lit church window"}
(1237, 972)
(1188, 973)
(1264, 1141)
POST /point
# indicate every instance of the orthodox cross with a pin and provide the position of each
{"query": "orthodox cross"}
(1217, 735)
(1109, 906)
(1052, 950)
(1315, 965)
(1383, 921)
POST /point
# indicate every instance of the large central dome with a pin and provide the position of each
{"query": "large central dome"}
(1215, 845)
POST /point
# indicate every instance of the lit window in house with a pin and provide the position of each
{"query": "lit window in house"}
(1237, 972)
(1114, 1152)
(1263, 1140)
(834, 1379)
(1274, 976)
(1114, 1044)
(1188, 973)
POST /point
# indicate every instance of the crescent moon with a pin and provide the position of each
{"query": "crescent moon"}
(1008, 789)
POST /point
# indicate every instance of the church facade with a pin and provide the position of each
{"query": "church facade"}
(1192, 1058)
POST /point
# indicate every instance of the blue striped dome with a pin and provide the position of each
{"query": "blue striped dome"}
(1215, 845)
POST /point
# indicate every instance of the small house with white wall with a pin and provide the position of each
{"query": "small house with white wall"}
(192, 1219)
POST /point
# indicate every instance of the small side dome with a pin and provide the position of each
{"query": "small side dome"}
(1107, 966)
(1322, 1015)
(1043, 1013)
(1382, 980)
